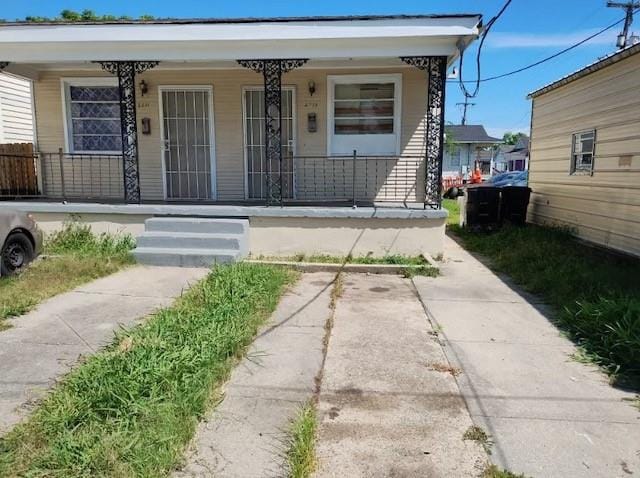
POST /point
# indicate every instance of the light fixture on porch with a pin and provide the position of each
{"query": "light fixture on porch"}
(144, 88)
(312, 87)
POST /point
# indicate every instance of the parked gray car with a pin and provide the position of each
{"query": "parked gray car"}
(21, 240)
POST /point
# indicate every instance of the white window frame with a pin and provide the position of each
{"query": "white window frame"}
(364, 144)
(573, 163)
(65, 83)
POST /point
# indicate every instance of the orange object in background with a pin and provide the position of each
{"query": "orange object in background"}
(476, 177)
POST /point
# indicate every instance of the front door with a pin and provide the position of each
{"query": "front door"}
(254, 142)
(187, 149)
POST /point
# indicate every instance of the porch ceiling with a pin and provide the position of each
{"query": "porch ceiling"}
(318, 39)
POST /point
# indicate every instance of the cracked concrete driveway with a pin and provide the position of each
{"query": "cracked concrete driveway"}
(549, 415)
(44, 344)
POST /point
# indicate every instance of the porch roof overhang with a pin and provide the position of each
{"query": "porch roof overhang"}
(334, 38)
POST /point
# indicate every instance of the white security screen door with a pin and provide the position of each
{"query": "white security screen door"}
(255, 143)
(187, 133)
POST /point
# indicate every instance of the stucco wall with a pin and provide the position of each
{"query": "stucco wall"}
(604, 207)
(286, 236)
(227, 87)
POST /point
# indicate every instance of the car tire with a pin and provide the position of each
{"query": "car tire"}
(17, 253)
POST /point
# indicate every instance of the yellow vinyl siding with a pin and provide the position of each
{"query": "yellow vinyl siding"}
(604, 207)
(227, 87)
(16, 118)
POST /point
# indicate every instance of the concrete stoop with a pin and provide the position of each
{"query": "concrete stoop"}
(192, 242)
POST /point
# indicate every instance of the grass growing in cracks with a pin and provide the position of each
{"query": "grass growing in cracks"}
(301, 459)
(493, 471)
(301, 454)
(131, 409)
(596, 295)
(79, 256)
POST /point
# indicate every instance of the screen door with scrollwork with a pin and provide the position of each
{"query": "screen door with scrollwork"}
(187, 134)
(254, 143)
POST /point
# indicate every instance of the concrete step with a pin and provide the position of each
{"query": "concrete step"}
(162, 256)
(192, 240)
(197, 225)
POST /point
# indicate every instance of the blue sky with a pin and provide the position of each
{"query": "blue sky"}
(529, 30)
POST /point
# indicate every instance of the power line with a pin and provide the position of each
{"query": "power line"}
(484, 36)
(544, 60)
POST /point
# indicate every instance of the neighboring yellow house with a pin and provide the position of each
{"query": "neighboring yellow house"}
(585, 152)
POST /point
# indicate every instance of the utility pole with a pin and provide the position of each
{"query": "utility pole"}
(629, 7)
(465, 105)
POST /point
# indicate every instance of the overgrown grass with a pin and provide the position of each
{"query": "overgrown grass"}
(131, 409)
(452, 206)
(301, 454)
(78, 239)
(79, 257)
(596, 295)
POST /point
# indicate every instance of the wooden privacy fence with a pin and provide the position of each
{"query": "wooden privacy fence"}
(18, 175)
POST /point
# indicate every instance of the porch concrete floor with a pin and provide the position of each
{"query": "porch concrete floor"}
(389, 211)
(44, 344)
(548, 415)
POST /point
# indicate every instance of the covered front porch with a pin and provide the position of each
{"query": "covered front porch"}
(332, 111)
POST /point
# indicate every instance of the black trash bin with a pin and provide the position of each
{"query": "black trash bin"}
(514, 203)
(483, 207)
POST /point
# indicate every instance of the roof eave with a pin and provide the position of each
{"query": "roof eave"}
(295, 38)
(587, 70)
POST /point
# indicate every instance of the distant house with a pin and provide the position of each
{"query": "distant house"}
(466, 145)
(513, 157)
(585, 152)
(16, 113)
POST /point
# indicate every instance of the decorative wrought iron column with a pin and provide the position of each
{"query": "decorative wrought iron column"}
(272, 71)
(126, 72)
(436, 67)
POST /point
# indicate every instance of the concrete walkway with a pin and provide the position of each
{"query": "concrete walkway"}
(549, 416)
(245, 436)
(383, 409)
(44, 344)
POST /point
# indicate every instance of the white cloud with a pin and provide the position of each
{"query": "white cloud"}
(548, 40)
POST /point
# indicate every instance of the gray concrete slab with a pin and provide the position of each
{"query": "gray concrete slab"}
(234, 211)
(245, 435)
(549, 415)
(383, 410)
(46, 343)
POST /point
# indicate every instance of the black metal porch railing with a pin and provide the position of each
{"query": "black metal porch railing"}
(358, 179)
(82, 176)
(339, 180)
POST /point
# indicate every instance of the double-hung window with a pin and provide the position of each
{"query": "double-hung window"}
(364, 114)
(583, 151)
(92, 114)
